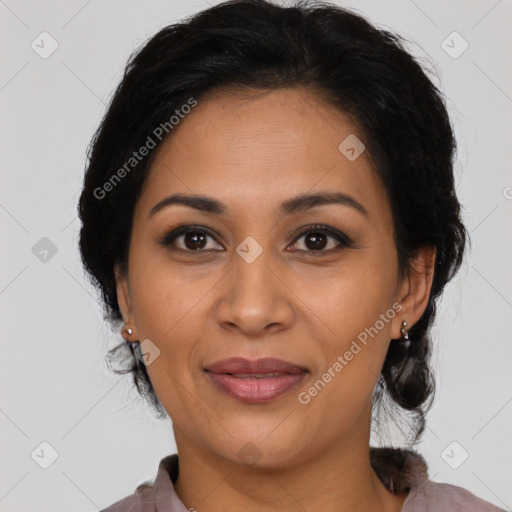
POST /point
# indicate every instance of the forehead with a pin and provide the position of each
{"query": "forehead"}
(262, 147)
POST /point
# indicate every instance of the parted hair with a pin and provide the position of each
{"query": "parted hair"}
(363, 71)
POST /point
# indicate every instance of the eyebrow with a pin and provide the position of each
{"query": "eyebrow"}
(296, 204)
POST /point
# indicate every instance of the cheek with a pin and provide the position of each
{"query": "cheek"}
(166, 310)
(352, 297)
(162, 298)
(355, 310)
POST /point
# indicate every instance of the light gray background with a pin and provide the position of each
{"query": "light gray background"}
(54, 381)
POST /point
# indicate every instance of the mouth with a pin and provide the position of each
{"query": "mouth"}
(256, 381)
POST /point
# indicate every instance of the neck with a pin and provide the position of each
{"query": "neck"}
(339, 479)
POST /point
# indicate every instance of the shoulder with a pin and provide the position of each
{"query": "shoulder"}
(148, 493)
(441, 497)
(128, 504)
(134, 502)
(406, 470)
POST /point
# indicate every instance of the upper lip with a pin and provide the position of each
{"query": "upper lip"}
(263, 365)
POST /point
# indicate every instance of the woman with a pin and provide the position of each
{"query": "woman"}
(269, 210)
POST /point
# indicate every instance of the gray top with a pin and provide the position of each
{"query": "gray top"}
(398, 469)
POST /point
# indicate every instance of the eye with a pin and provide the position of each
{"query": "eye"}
(318, 237)
(191, 238)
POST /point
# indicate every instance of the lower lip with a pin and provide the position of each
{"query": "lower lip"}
(252, 389)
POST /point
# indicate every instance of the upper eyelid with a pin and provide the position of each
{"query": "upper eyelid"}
(172, 234)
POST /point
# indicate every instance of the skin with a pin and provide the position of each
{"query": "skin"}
(253, 152)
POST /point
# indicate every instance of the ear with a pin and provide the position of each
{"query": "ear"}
(124, 297)
(414, 289)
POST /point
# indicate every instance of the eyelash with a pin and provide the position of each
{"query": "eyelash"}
(344, 240)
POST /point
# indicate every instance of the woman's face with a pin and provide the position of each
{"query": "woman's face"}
(313, 283)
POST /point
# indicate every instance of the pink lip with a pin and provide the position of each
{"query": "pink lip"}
(255, 389)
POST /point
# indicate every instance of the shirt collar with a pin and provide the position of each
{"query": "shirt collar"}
(399, 469)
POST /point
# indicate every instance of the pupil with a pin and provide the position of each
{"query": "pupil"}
(198, 240)
(318, 241)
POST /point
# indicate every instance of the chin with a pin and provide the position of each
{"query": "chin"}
(260, 452)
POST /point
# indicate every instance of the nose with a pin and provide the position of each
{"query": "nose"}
(255, 298)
